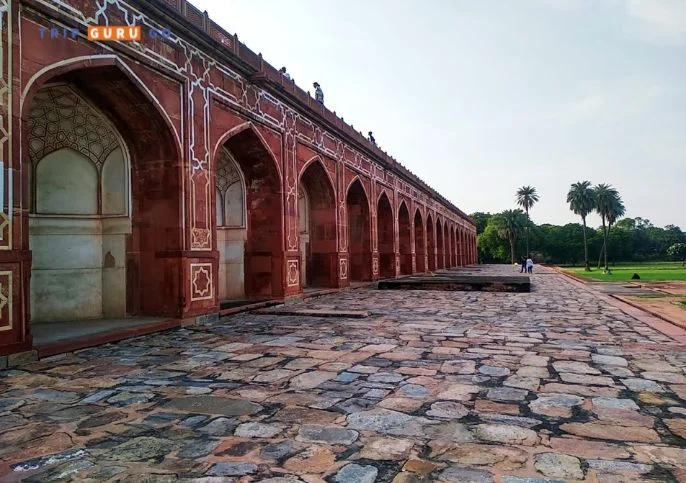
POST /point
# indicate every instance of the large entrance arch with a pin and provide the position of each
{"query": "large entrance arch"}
(317, 214)
(419, 242)
(359, 233)
(431, 243)
(385, 237)
(440, 247)
(104, 188)
(262, 255)
(405, 239)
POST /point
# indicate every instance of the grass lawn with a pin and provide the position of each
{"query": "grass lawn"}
(649, 272)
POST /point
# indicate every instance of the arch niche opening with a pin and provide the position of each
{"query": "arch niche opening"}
(385, 235)
(317, 215)
(103, 173)
(262, 240)
(359, 233)
(431, 243)
(405, 239)
(453, 250)
(419, 242)
(440, 251)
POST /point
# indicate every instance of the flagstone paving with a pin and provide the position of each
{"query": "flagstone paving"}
(552, 385)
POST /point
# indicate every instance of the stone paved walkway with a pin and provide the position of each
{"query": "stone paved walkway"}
(553, 385)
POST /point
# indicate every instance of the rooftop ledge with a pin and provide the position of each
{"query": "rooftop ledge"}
(265, 75)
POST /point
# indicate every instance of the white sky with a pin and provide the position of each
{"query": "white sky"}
(479, 97)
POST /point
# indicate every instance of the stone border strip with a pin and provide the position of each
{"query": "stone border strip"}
(640, 314)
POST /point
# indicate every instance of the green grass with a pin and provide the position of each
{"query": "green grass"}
(649, 272)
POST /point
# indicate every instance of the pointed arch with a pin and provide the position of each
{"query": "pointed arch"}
(419, 241)
(440, 244)
(385, 236)
(359, 232)
(319, 248)
(404, 239)
(431, 242)
(263, 256)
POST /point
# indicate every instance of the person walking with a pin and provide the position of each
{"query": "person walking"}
(523, 262)
(529, 265)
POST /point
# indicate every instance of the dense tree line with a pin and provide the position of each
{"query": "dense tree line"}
(629, 239)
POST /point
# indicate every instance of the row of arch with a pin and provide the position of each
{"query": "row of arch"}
(105, 184)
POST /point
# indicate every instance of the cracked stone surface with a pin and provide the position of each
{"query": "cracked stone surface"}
(552, 385)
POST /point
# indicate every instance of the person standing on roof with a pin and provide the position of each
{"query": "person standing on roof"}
(284, 73)
(318, 93)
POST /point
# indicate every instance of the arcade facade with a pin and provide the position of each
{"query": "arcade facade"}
(162, 177)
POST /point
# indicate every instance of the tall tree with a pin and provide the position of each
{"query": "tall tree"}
(511, 224)
(581, 199)
(526, 198)
(606, 199)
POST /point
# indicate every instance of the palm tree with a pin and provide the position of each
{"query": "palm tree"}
(526, 198)
(581, 199)
(511, 224)
(606, 200)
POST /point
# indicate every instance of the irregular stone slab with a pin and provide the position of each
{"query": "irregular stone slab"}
(310, 380)
(354, 473)
(140, 449)
(276, 451)
(574, 367)
(522, 382)
(198, 448)
(386, 449)
(506, 394)
(452, 431)
(585, 379)
(580, 390)
(588, 448)
(326, 434)
(507, 434)
(619, 466)
(640, 385)
(10, 404)
(671, 377)
(232, 469)
(274, 375)
(559, 466)
(447, 410)
(655, 366)
(660, 454)
(458, 392)
(676, 426)
(609, 360)
(101, 420)
(611, 432)
(464, 475)
(404, 404)
(219, 427)
(387, 422)
(312, 460)
(386, 377)
(214, 405)
(37, 463)
(533, 371)
(458, 367)
(469, 454)
(507, 419)
(127, 398)
(614, 403)
(555, 405)
(258, 430)
(534, 360)
(68, 470)
(413, 390)
(495, 371)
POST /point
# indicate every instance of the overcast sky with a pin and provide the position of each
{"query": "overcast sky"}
(479, 97)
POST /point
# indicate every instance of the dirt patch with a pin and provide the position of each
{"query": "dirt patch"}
(668, 308)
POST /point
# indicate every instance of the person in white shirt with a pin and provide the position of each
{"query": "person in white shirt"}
(529, 265)
(284, 73)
